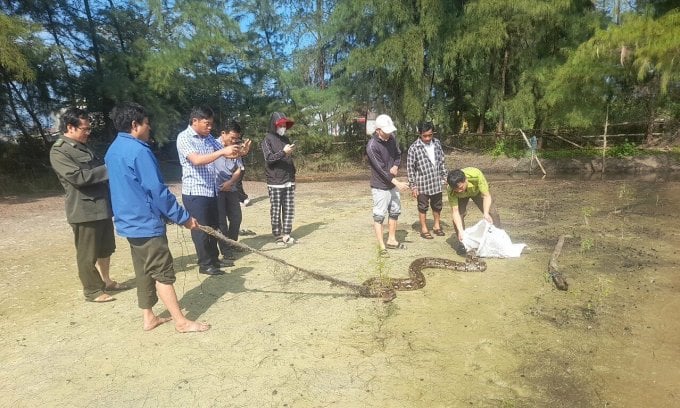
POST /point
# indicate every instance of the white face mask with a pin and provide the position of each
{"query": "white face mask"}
(281, 130)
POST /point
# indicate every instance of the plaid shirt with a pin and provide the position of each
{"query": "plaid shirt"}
(424, 175)
(197, 180)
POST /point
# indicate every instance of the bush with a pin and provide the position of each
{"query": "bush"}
(626, 149)
(509, 148)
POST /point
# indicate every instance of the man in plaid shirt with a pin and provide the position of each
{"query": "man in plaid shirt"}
(198, 150)
(426, 176)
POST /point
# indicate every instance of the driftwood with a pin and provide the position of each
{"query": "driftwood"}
(553, 270)
(359, 289)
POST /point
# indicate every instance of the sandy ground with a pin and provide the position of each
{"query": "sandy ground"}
(502, 338)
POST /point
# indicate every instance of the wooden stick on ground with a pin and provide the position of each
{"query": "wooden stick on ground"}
(553, 270)
(319, 276)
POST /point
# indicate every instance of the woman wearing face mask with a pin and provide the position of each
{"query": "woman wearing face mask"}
(280, 173)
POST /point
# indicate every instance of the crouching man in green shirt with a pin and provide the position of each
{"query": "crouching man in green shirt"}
(465, 184)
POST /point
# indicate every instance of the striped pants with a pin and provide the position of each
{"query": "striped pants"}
(282, 202)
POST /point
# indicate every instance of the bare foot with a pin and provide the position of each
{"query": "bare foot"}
(190, 326)
(103, 298)
(155, 322)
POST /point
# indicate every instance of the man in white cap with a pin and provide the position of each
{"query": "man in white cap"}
(384, 157)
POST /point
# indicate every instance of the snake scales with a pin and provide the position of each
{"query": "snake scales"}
(383, 288)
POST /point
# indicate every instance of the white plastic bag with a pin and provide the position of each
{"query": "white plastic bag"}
(490, 242)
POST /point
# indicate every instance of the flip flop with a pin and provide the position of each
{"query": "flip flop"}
(383, 253)
(397, 246)
(439, 232)
(426, 235)
(116, 287)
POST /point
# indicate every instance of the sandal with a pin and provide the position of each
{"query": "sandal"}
(116, 286)
(426, 235)
(439, 232)
(280, 241)
(397, 246)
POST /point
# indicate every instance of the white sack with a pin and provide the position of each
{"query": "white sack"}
(490, 242)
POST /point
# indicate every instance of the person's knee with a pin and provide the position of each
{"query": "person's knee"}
(165, 276)
(378, 218)
(394, 216)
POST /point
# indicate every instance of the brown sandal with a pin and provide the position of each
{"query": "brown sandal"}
(439, 232)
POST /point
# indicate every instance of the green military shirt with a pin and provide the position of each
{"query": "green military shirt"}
(476, 184)
(84, 178)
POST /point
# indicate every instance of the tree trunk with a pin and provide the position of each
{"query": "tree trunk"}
(538, 115)
(93, 38)
(30, 112)
(51, 28)
(17, 118)
(485, 100)
(116, 25)
(321, 57)
(500, 125)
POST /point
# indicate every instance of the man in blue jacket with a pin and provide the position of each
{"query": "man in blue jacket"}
(142, 204)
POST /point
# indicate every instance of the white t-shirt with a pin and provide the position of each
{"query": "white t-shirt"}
(429, 148)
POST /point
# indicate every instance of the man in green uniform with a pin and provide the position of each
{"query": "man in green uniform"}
(465, 184)
(88, 204)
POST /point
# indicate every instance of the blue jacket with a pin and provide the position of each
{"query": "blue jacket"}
(140, 199)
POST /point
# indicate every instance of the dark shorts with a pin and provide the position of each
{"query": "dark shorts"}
(434, 200)
(152, 261)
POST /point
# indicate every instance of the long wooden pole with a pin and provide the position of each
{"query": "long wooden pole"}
(533, 156)
(316, 275)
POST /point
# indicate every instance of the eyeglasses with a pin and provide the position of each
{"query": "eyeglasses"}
(85, 129)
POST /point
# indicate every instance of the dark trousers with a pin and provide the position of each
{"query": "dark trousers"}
(229, 217)
(479, 201)
(93, 239)
(239, 187)
(204, 209)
